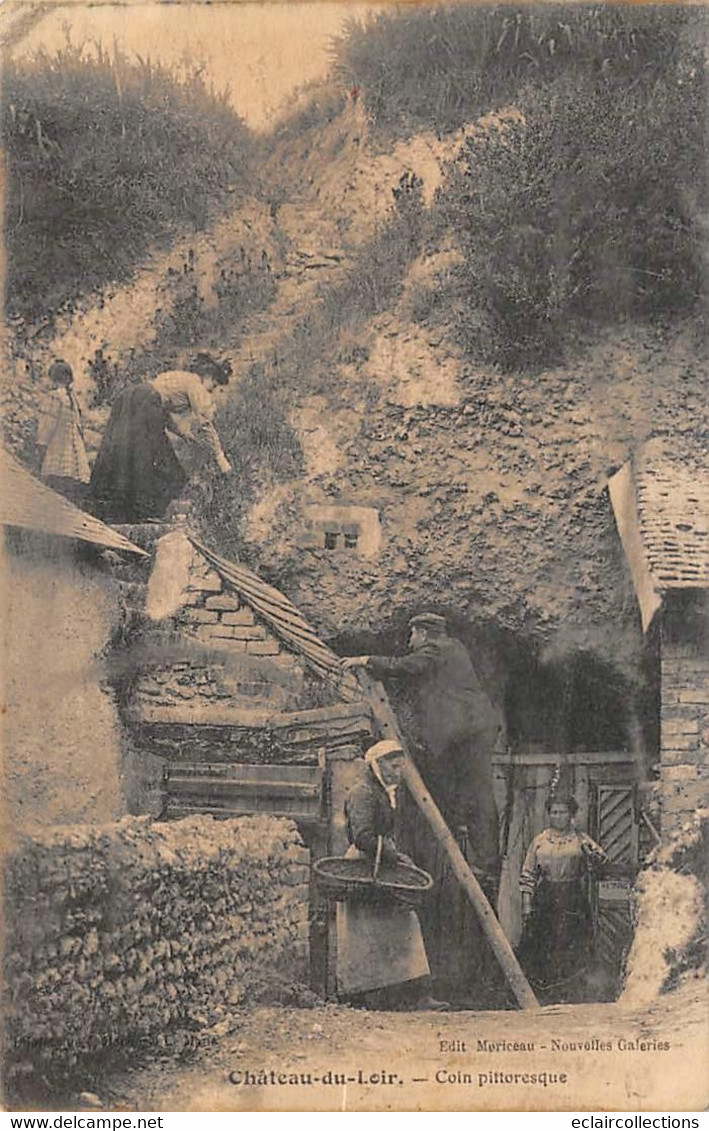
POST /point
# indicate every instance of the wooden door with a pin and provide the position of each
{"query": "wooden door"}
(613, 822)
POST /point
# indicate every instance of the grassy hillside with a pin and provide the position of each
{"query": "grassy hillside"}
(470, 365)
(440, 67)
(488, 358)
(590, 208)
(106, 157)
(591, 205)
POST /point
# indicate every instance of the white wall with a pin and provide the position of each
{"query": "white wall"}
(60, 730)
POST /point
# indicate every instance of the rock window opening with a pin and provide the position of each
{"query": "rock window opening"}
(345, 527)
(347, 538)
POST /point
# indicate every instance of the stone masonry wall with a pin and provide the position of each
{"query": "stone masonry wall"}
(213, 614)
(142, 932)
(204, 659)
(241, 663)
(685, 719)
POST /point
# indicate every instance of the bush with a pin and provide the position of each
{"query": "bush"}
(437, 68)
(312, 107)
(185, 323)
(106, 156)
(257, 434)
(255, 424)
(244, 286)
(588, 208)
(375, 280)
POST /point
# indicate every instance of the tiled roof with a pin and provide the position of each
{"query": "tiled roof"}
(285, 620)
(26, 502)
(673, 517)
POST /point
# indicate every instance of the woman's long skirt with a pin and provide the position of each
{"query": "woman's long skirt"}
(377, 945)
(137, 474)
(556, 947)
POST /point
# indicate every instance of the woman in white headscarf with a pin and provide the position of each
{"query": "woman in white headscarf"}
(379, 946)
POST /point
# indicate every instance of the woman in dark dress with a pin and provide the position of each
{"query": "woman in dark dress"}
(137, 474)
(556, 947)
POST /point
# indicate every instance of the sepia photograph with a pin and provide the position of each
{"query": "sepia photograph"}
(355, 557)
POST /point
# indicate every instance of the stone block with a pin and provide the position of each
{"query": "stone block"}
(695, 695)
(675, 756)
(255, 632)
(690, 796)
(248, 631)
(682, 723)
(242, 617)
(678, 742)
(681, 808)
(203, 631)
(218, 634)
(225, 601)
(193, 597)
(677, 776)
(210, 583)
(262, 647)
(239, 631)
(679, 773)
(203, 616)
(233, 646)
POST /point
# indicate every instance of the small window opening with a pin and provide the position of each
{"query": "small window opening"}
(330, 540)
(351, 540)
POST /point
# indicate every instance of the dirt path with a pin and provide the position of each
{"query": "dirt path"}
(337, 1059)
(315, 258)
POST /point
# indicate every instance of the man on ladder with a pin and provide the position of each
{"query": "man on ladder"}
(458, 728)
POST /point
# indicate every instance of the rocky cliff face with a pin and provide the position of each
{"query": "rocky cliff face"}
(489, 487)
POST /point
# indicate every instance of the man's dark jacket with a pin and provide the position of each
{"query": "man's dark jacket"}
(459, 728)
(451, 702)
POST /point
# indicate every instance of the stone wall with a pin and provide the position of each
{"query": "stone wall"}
(208, 676)
(225, 655)
(148, 933)
(684, 711)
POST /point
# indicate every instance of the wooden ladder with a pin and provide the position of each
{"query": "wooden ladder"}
(387, 726)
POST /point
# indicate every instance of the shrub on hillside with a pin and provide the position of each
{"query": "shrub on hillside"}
(106, 155)
(376, 278)
(590, 207)
(311, 107)
(259, 438)
(255, 424)
(438, 67)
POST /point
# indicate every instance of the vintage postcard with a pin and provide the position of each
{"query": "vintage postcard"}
(355, 509)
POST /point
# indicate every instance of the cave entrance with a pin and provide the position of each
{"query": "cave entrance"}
(573, 723)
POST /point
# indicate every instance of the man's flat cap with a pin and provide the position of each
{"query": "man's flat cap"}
(428, 620)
